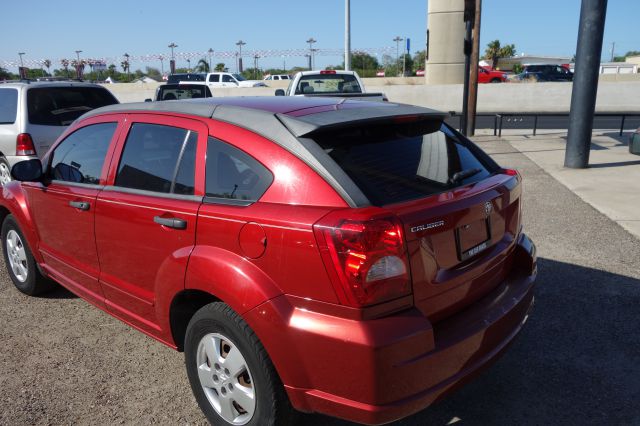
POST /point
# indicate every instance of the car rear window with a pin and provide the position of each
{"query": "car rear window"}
(8, 105)
(393, 163)
(328, 83)
(169, 93)
(60, 106)
(176, 78)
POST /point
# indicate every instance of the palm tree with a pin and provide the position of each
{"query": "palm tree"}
(492, 52)
(47, 63)
(202, 66)
(220, 67)
(65, 65)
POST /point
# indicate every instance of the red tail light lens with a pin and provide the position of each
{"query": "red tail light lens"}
(24, 145)
(365, 255)
(328, 72)
(510, 172)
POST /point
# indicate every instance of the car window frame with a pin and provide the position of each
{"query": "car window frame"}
(162, 119)
(48, 158)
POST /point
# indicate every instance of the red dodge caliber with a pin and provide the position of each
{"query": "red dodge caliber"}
(352, 258)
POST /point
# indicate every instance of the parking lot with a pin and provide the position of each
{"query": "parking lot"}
(576, 361)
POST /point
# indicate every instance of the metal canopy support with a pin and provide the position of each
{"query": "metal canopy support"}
(585, 83)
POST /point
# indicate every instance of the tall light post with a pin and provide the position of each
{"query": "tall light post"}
(172, 62)
(126, 61)
(255, 66)
(240, 43)
(210, 52)
(398, 39)
(311, 41)
(284, 64)
(161, 64)
(21, 70)
(78, 76)
(188, 65)
(347, 35)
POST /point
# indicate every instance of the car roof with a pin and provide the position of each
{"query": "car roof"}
(26, 83)
(301, 115)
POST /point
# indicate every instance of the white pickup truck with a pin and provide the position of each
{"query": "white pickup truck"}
(227, 79)
(338, 83)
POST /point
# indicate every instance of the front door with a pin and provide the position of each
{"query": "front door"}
(64, 210)
(146, 216)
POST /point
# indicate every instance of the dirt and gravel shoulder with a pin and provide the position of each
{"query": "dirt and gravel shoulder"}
(63, 361)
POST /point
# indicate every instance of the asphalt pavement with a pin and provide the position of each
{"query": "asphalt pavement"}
(575, 362)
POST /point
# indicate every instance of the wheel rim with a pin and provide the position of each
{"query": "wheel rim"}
(17, 256)
(5, 173)
(225, 378)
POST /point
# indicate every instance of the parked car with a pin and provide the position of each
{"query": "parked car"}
(34, 114)
(488, 75)
(186, 77)
(546, 72)
(353, 258)
(277, 77)
(172, 92)
(344, 84)
(634, 142)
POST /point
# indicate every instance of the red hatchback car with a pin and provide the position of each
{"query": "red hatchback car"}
(352, 258)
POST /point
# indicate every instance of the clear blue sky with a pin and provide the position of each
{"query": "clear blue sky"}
(47, 29)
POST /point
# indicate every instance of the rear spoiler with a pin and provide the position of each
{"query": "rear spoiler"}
(353, 115)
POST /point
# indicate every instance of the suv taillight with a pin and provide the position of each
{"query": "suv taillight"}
(365, 255)
(24, 145)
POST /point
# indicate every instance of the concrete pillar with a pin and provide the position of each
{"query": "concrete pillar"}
(445, 23)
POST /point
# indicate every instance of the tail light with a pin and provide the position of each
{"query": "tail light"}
(365, 255)
(328, 72)
(24, 145)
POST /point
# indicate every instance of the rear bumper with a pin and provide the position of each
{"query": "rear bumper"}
(377, 371)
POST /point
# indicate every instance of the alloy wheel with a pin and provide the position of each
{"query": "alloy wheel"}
(225, 378)
(17, 256)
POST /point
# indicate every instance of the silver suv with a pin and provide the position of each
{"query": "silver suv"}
(34, 114)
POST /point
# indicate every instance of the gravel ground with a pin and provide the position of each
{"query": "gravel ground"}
(576, 361)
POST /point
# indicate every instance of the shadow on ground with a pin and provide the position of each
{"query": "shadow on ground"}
(575, 362)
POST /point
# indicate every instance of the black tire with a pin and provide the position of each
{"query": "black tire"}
(32, 282)
(272, 406)
(5, 171)
(496, 80)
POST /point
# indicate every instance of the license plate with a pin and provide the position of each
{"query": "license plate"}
(472, 238)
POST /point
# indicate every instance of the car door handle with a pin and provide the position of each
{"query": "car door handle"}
(170, 222)
(80, 205)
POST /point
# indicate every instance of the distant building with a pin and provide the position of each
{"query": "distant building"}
(632, 60)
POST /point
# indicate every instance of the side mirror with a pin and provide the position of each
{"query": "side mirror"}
(279, 92)
(27, 171)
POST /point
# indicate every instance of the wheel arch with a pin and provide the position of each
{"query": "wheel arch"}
(14, 201)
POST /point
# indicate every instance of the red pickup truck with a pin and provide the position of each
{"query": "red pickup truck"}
(488, 75)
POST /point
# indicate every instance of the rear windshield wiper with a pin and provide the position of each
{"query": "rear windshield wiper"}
(462, 175)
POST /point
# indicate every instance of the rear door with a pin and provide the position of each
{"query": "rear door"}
(460, 213)
(64, 210)
(146, 215)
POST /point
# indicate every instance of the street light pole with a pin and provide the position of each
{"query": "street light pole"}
(398, 39)
(240, 43)
(347, 35)
(21, 63)
(172, 63)
(210, 51)
(311, 41)
(78, 52)
(126, 61)
(188, 65)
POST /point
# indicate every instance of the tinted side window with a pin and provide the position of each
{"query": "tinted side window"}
(227, 79)
(60, 106)
(233, 174)
(8, 105)
(158, 158)
(80, 157)
(214, 78)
